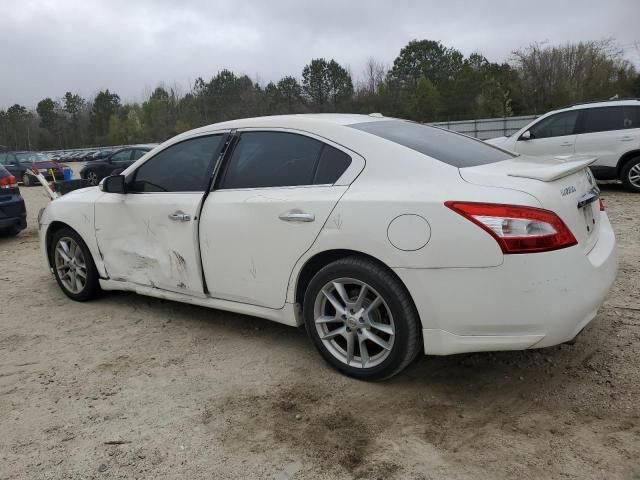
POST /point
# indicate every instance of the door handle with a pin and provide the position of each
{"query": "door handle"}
(625, 139)
(297, 216)
(566, 144)
(179, 216)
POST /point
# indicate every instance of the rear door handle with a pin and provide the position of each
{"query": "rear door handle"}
(297, 216)
(566, 144)
(625, 139)
(179, 216)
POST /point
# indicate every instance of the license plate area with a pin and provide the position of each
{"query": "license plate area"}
(589, 218)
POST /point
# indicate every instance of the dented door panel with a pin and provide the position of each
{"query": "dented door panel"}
(140, 243)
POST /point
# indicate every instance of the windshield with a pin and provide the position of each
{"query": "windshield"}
(452, 148)
(28, 157)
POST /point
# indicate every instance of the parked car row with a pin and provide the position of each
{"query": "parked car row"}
(607, 130)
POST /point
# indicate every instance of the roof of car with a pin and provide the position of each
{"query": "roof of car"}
(603, 103)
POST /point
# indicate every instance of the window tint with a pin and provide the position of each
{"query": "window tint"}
(271, 159)
(556, 125)
(122, 156)
(3, 159)
(611, 118)
(183, 167)
(448, 147)
(331, 166)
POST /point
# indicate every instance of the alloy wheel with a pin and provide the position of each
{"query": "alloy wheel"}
(354, 323)
(93, 178)
(634, 175)
(70, 265)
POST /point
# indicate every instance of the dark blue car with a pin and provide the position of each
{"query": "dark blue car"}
(13, 215)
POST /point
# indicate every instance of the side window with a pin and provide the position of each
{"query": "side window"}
(556, 125)
(272, 159)
(3, 158)
(183, 167)
(605, 119)
(137, 154)
(121, 157)
(331, 166)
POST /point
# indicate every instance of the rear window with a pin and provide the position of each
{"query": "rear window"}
(448, 147)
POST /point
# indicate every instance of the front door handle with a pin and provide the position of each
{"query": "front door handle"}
(566, 144)
(625, 139)
(179, 216)
(297, 216)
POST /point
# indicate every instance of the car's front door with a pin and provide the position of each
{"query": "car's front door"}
(149, 235)
(608, 133)
(274, 193)
(553, 135)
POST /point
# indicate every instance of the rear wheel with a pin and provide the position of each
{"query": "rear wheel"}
(73, 266)
(630, 175)
(26, 180)
(361, 319)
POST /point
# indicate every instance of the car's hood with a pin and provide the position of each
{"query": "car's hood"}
(46, 164)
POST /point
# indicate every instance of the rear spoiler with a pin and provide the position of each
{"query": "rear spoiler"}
(546, 172)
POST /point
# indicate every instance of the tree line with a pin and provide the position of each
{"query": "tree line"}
(427, 82)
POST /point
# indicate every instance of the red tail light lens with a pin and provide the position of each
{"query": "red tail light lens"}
(517, 229)
(8, 182)
(602, 207)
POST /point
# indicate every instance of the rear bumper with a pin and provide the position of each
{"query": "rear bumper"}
(530, 301)
(13, 214)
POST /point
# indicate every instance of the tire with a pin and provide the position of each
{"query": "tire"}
(392, 319)
(630, 175)
(92, 178)
(82, 263)
(26, 180)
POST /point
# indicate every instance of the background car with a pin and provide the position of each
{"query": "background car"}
(17, 164)
(96, 170)
(609, 130)
(13, 215)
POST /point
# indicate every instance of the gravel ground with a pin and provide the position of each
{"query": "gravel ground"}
(135, 387)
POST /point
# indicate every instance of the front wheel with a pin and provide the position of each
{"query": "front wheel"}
(630, 175)
(73, 266)
(361, 319)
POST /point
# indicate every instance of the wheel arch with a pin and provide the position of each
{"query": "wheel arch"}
(321, 259)
(52, 229)
(624, 159)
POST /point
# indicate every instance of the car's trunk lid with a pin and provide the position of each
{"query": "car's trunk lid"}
(563, 185)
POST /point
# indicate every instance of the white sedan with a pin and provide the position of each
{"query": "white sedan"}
(383, 237)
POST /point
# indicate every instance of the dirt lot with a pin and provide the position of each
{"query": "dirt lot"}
(198, 393)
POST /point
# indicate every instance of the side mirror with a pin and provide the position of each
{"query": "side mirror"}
(526, 136)
(113, 184)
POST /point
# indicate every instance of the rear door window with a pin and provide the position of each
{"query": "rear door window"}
(272, 159)
(448, 147)
(604, 119)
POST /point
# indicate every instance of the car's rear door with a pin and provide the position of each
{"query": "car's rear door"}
(149, 236)
(553, 135)
(273, 195)
(608, 133)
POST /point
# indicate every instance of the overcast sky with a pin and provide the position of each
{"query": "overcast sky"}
(48, 47)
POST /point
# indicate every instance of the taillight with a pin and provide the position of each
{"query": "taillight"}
(517, 229)
(8, 182)
(602, 207)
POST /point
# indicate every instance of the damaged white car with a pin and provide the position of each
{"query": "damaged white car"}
(383, 236)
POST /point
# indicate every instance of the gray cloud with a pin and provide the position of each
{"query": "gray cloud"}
(49, 47)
